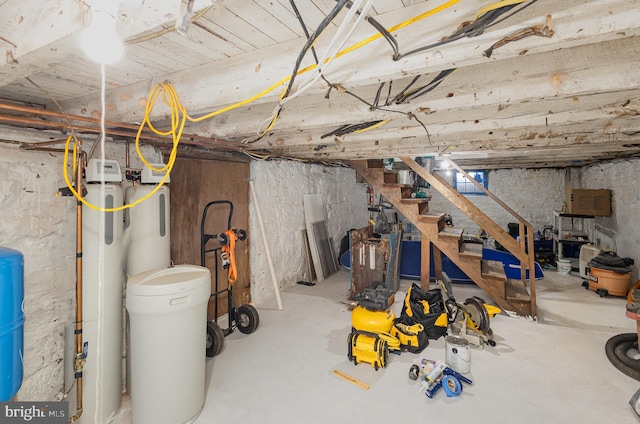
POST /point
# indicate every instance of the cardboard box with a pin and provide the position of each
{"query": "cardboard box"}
(589, 202)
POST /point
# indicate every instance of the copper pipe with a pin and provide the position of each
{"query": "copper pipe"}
(146, 138)
(50, 113)
(80, 358)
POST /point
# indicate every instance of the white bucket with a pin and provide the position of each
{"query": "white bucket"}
(457, 354)
(564, 266)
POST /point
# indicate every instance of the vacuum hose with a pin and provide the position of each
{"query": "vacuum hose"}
(617, 348)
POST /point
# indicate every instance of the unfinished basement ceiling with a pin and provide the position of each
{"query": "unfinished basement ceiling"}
(560, 87)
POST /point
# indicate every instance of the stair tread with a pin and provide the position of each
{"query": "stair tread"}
(393, 185)
(451, 232)
(430, 216)
(517, 290)
(471, 250)
(415, 201)
(493, 269)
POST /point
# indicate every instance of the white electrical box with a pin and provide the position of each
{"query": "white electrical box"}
(99, 170)
(149, 176)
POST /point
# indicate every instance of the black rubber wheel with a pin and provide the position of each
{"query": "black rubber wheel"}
(241, 234)
(215, 339)
(619, 359)
(247, 319)
(491, 342)
(385, 353)
(349, 349)
(414, 372)
(602, 292)
(223, 239)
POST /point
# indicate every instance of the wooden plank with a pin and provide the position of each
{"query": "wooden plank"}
(437, 262)
(451, 232)
(190, 192)
(493, 269)
(425, 262)
(430, 217)
(236, 24)
(203, 41)
(516, 290)
(352, 380)
(471, 250)
(468, 208)
(283, 14)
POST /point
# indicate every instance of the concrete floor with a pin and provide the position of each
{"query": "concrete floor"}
(554, 370)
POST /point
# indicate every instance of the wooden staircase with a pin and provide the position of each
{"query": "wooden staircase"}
(511, 295)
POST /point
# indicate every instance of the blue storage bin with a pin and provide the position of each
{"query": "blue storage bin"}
(11, 322)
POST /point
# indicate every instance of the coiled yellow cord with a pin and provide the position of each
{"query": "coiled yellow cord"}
(179, 115)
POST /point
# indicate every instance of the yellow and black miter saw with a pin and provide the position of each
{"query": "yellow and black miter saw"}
(471, 320)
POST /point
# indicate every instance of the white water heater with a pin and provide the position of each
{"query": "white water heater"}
(147, 226)
(102, 301)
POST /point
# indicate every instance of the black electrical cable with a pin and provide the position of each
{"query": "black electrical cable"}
(311, 40)
(473, 29)
(417, 92)
(308, 45)
(347, 129)
(376, 101)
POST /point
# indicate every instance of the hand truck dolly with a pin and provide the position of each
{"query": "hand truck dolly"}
(244, 317)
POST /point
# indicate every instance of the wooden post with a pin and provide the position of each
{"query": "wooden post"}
(437, 262)
(425, 260)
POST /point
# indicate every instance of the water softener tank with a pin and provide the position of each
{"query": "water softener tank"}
(11, 322)
(147, 224)
(102, 295)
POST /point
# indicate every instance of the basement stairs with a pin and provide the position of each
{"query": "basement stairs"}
(511, 295)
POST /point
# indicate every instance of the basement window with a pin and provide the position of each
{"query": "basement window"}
(464, 186)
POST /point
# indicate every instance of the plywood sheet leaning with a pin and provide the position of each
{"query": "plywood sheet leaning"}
(322, 252)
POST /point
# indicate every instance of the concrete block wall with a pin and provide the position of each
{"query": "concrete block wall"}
(280, 187)
(533, 194)
(34, 221)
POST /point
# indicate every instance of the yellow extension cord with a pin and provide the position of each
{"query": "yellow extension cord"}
(179, 115)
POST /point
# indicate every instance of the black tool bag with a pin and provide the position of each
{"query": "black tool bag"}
(426, 308)
(412, 336)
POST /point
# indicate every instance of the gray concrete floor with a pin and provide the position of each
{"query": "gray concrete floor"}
(554, 370)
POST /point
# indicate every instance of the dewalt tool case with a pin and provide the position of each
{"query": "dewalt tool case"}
(412, 337)
(426, 308)
(367, 347)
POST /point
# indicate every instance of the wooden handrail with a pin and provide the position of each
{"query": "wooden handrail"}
(518, 248)
(487, 192)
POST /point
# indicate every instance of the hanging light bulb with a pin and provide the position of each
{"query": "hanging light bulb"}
(100, 41)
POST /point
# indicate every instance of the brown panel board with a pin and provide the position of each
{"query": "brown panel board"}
(194, 183)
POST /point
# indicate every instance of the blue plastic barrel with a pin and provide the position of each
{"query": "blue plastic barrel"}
(11, 322)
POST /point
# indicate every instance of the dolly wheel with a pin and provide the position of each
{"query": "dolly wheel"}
(215, 339)
(247, 319)
(602, 292)
(242, 235)
(491, 342)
